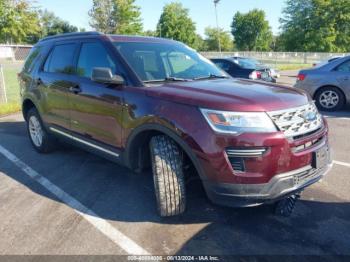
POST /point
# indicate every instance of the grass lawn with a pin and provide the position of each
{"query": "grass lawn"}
(9, 108)
(12, 85)
(283, 67)
(12, 91)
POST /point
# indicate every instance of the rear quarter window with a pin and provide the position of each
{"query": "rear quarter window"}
(33, 56)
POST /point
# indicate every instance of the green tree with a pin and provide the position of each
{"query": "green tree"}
(175, 23)
(316, 25)
(149, 33)
(116, 17)
(53, 25)
(251, 31)
(212, 39)
(19, 22)
(199, 43)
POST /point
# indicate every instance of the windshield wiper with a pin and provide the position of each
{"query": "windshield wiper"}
(211, 76)
(168, 79)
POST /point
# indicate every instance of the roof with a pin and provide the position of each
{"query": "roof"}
(121, 38)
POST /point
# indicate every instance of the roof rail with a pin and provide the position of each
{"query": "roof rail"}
(70, 35)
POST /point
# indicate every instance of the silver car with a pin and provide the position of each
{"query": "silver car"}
(328, 84)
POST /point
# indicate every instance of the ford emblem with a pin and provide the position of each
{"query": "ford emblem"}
(310, 116)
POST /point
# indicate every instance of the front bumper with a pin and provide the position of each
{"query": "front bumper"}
(280, 186)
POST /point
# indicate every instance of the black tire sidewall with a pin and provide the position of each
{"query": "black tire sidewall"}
(340, 104)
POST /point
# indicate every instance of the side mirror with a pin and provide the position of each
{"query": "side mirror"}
(105, 75)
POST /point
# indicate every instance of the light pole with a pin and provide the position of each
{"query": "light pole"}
(217, 24)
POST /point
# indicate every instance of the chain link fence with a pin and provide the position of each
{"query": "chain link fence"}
(279, 58)
(12, 58)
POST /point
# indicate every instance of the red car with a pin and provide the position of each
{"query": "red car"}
(156, 103)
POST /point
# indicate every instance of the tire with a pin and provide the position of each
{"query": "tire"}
(42, 141)
(168, 176)
(329, 99)
(286, 206)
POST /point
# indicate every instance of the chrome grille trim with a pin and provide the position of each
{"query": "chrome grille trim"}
(293, 122)
(246, 152)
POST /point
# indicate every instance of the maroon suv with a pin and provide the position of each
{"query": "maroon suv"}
(151, 102)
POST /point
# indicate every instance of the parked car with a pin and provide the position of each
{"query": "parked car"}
(243, 67)
(155, 103)
(328, 84)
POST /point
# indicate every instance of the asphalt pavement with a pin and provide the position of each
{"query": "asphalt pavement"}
(74, 203)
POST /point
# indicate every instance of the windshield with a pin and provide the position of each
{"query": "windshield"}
(154, 62)
(248, 63)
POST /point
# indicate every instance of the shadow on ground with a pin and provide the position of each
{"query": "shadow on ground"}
(115, 193)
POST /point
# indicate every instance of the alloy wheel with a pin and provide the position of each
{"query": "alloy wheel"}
(329, 99)
(35, 131)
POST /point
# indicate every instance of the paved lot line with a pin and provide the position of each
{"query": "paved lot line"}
(341, 163)
(102, 225)
(337, 118)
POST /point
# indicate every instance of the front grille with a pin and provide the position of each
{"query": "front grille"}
(237, 164)
(308, 145)
(298, 121)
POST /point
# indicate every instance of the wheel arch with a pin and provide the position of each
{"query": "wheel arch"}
(325, 86)
(137, 152)
(27, 104)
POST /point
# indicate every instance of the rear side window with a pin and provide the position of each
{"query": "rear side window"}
(93, 55)
(33, 55)
(61, 59)
(344, 67)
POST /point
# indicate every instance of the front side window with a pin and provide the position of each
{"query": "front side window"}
(61, 59)
(93, 55)
(161, 61)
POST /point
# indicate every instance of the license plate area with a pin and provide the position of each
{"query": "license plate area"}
(264, 75)
(320, 158)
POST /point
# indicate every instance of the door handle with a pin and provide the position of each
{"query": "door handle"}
(75, 89)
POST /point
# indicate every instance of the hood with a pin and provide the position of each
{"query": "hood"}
(231, 95)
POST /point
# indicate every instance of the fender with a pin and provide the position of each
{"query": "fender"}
(175, 135)
(29, 98)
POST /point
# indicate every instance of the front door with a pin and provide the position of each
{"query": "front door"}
(96, 108)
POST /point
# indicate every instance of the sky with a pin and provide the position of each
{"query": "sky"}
(201, 11)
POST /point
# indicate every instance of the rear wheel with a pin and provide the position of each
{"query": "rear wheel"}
(168, 176)
(42, 141)
(330, 99)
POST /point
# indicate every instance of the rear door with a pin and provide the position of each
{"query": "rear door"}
(55, 78)
(96, 108)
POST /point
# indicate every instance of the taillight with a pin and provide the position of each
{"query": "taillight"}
(254, 75)
(301, 77)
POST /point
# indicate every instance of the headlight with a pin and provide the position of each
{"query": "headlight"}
(238, 122)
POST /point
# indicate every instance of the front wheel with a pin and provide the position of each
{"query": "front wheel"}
(168, 176)
(42, 141)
